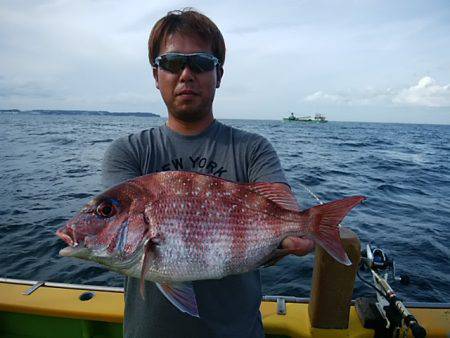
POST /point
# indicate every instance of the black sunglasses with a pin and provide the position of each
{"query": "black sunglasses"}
(197, 62)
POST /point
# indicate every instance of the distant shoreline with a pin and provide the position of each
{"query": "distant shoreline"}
(145, 114)
(77, 112)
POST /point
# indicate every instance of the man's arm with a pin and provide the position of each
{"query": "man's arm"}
(120, 163)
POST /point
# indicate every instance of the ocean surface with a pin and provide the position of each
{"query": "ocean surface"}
(51, 166)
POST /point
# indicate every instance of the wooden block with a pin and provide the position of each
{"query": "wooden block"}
(332, 285)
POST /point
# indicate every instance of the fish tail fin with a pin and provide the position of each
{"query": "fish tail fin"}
(325, 229)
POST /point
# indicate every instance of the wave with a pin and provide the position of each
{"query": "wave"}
(395, 189)
(310, 180)
(62, 141)
(74, 196)
(108, 140)
(54, 222)
(19, 212)
(354, 144)
(80, 170)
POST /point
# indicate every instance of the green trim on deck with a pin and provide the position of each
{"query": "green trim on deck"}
(21, 325)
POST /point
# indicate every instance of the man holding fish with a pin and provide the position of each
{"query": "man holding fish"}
(231, 304)
(189, 231)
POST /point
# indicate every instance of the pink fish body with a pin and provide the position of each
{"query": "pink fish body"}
(182, 226)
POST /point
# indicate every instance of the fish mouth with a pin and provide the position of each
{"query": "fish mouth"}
(72, 251)
(74, 248)
(65, 236)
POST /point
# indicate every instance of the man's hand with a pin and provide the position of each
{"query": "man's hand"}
(301, 245)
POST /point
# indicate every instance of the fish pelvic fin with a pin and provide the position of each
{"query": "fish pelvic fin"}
(180, 295)
(324, 228)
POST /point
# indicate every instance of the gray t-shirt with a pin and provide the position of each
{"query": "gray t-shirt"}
(228, 307)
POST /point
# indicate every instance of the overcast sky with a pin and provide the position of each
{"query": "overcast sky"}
(382, 61)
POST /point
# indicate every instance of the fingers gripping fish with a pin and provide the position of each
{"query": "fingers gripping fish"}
(175, 227)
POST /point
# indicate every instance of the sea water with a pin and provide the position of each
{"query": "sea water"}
(51, 167)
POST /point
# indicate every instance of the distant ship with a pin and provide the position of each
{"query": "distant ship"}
(318, 118)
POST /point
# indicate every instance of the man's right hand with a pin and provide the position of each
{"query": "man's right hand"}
(301, 245)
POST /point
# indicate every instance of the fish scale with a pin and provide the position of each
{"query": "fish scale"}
(254, 235)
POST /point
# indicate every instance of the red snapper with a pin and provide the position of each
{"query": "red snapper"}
(177, 226)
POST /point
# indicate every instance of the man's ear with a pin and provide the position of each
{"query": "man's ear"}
(155, 76)
(219, 76)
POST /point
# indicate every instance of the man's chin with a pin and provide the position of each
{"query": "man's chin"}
(189, 115)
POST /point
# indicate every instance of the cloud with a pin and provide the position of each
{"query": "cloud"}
(426, 93)
(25, 87)
(364, 97)
(324, 97)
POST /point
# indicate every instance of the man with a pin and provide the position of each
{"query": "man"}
(187, 53)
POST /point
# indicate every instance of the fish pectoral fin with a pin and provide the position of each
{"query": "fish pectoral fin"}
(181, 295)
(149, 250)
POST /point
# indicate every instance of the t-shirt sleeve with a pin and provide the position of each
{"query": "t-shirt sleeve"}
(120, 163)
(264, 163)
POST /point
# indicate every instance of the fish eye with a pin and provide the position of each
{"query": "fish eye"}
(106, 209)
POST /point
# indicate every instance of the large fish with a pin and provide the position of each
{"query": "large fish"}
(174, 227)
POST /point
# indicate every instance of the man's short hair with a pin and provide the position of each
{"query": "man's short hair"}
(186, 22)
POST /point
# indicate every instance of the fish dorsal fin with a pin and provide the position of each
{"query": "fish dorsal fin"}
(278, 193)
(181, 295)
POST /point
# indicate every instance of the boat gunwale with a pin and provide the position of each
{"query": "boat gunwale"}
(266, 298)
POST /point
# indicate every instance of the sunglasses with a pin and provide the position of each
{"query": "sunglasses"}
(197, 62)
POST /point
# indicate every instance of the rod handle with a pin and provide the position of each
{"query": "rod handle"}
(417, 330)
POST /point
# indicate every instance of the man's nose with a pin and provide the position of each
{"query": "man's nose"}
(186, 74)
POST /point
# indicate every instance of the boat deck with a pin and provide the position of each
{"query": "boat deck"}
(56, 310)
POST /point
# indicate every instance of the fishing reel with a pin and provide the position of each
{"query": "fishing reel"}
(387, 314)
(377, 260)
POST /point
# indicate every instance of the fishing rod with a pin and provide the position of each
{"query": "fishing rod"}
(397, 318)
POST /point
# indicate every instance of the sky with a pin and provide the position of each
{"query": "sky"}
(374, 61)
